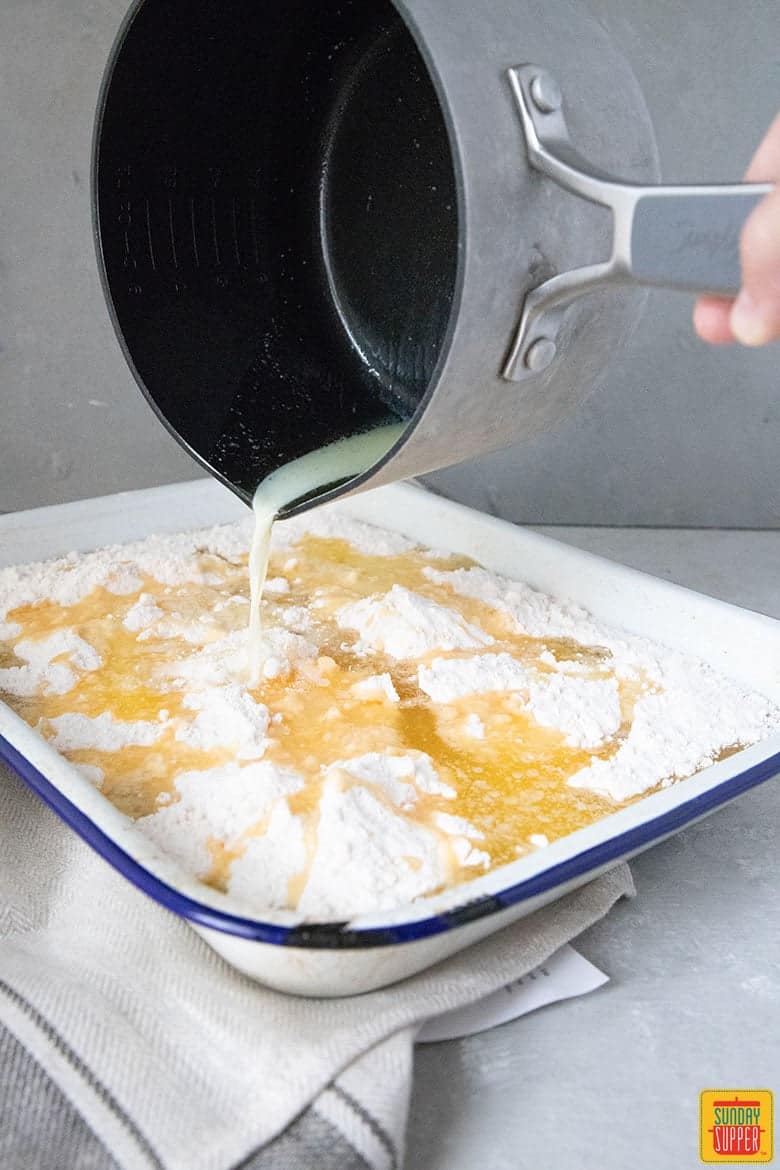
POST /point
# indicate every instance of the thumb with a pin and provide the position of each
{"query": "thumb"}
(755, 317)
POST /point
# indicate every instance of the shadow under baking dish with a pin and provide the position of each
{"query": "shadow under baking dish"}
(293, 955)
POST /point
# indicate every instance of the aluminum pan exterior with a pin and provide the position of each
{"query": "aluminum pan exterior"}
(517, 227)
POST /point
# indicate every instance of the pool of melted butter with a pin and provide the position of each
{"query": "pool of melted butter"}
(510, 785)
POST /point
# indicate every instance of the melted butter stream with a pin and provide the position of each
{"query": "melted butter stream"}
(511, 784)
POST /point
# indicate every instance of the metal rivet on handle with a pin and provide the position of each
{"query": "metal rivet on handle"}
(546, 93)
(539, 354)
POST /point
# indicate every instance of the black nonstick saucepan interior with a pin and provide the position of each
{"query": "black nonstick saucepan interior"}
(278, 222)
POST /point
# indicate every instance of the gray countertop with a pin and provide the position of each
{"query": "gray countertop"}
(612, 1080)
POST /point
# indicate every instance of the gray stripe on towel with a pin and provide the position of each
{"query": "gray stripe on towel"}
(310, 1143)
(87, 1075)
(39, 1128)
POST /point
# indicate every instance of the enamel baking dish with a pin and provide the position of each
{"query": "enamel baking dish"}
(374, 950)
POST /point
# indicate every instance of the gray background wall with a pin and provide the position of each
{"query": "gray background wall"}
(677, 434)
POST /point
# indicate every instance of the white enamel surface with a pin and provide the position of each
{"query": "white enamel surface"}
(741, 644)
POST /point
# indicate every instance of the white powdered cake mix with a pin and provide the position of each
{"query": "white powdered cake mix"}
(416, 720)
(405, 625)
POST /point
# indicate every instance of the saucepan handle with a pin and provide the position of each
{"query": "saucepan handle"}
(688, 237)
(680, 237)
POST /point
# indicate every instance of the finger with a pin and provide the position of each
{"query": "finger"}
(711, 319)
(755, 317)
(765, 164)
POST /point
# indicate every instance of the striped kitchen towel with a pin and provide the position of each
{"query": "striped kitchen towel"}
(126, 1043)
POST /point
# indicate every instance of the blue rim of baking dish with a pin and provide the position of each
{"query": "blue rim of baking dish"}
(339, 935)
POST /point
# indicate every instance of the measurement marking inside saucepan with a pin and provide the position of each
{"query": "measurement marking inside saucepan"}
(173, 232)
(194, 233)
(253, 224)
(149, 236)
(235, 231)
(213, 204)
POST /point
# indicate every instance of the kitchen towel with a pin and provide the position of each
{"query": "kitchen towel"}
(126, 1043)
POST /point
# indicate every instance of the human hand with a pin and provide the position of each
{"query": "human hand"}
(754, 318)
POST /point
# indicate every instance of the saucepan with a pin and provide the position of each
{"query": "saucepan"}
(313, 218)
